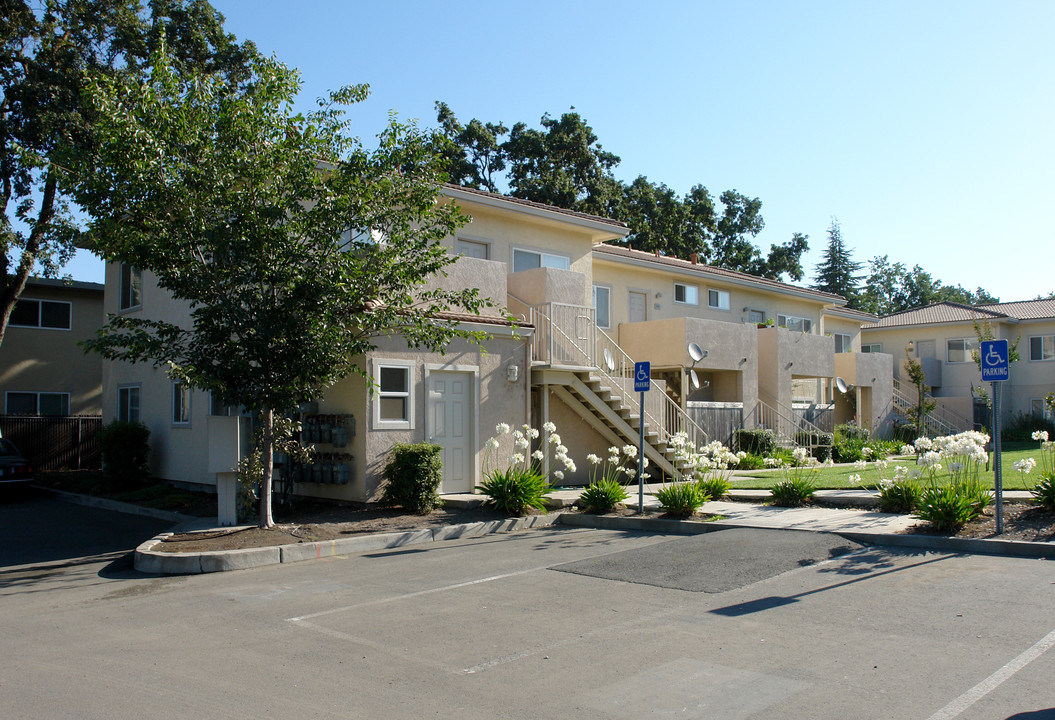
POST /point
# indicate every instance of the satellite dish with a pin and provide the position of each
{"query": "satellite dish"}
(841, 385)
(696, 352)
(694, 379)
(609, 361)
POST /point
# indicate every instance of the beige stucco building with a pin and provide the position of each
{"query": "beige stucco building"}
(582, 313)
(43, 369)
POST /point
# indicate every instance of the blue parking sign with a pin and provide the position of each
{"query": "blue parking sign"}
(642, 376)
(995, 360)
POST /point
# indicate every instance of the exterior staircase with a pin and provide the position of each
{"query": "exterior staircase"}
(941, 421)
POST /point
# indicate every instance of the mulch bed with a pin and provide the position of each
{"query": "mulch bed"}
(1022, 521)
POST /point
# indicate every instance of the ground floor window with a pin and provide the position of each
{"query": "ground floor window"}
(37, 403)
(180, 403)
(128, 403)
(394, 392)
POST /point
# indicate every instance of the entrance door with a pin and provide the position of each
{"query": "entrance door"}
(450, 426)
(637, 306)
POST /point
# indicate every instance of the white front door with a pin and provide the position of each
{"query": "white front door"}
(637, 306)
(450, 426)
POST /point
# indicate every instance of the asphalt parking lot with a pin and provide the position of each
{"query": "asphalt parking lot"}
(547, 623)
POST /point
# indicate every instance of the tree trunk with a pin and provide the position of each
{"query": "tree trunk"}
(267, 449)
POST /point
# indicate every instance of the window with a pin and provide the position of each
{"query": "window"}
(180, 403)
(795, 324)
(128, 403)
(1042, 347)
(131, 287)
(872, 348)
(51, 314)
(473, 249)
(602, 305)
(394, 394)
(37, 403)
(718, 299)
(756, 316)
(687, 294)
(843, 343)
(1039, 408)
(531, 259)
(958, 350)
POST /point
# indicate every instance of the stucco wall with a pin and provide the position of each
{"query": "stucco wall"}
(549, 285)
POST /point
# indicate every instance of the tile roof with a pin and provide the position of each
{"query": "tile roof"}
(1025, 309)
(537, 205)
(941, 312)
(732, 275)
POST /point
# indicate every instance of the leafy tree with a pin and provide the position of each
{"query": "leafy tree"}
(46, 51)
(892, 287)
(473, 151)
(924, 405)
(293, 247)
(836, 273)
(656, 217)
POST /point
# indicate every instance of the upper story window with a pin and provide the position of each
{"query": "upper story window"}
(473, 249)
(180, 403)
(1042, 347)
(872, 348)
(756, 316)
(795, 324)
(531, 259)
(602, 305)
(958, 350)
(686, 294)
(37, 403)
(718, 299)
(843, 343)
(131, 293)
(49, 314)
(128, 403)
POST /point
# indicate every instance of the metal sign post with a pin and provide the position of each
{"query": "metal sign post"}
(642, 382)
(996, 364)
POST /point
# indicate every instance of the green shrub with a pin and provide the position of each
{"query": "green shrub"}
(515, 490)
(125, 451)
(756, 441)
(785, 455)
(412, 477)
(715, 488)
(602, 495)
(1020, 427)
(819, 443)
(1044, 491)
(852, 431)
(946, 507)
(905, 433)
(848, 449)
(977, 492)
(792, 492)
(681, 499)
(900, 496)
(750, 462)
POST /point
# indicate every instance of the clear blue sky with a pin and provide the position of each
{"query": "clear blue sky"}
(927, 128)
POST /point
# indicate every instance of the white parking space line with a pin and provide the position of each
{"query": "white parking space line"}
(992, 682)
(419, 593)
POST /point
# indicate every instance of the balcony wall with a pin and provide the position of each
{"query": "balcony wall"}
(548, 285)
(872, 375)
(784, 355)
(488, 276)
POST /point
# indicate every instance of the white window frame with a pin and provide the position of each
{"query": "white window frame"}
(969, 345)
(845, 339)
(130, 295)
(871, 347)
(607, 290)
(545, 259)
(750, 316)
(37, 395)
(40, 312)
(720, 299)
(804, 324)
(407, 422)
(181, 400)
(461, 242)
(690, 294)
(1042, 338)
(124, 407)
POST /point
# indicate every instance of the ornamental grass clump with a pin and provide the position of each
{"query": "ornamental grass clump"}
(606, 489)
(516, 490)
(681, 499)
(519, 483)
(946, 507)
(798, 486)
(715, 488)
(1044, 491)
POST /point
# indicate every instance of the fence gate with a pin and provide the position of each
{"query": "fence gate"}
(55, 443)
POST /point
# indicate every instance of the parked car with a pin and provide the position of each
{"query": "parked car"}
(14, 469)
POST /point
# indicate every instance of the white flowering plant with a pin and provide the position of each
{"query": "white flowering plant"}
(1047, 449)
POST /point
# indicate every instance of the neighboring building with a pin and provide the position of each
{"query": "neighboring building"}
(584, 312)
(942, 336)
(43, 369)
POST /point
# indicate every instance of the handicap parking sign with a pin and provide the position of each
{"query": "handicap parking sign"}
(995, 360)
(642, 376)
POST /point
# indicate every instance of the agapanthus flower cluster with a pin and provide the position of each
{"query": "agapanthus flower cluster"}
(714, 458)
(964, 452)
(523, 454)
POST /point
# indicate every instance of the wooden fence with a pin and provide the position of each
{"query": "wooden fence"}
(55, 443)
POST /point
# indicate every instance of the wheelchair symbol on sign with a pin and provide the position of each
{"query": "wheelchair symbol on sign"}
(642, 374)
(992, 358)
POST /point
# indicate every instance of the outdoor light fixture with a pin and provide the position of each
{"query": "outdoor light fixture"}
(512, 373)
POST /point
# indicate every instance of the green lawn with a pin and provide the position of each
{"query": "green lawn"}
(835, 478)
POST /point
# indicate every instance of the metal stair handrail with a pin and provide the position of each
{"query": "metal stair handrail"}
(787, 424)
(933, 426)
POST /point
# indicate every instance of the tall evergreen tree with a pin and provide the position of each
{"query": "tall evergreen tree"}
(836, 273)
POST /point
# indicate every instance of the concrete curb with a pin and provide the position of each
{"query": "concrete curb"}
(148, 560)
(116, 506)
